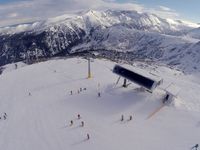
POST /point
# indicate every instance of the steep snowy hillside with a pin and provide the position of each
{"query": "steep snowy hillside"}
(195, 33)
(37, 106)
(143, 35)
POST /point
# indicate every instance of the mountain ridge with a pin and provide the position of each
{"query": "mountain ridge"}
(142, 34)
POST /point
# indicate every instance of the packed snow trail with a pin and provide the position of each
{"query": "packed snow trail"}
(41, 120)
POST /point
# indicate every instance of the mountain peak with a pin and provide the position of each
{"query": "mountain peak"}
(108, 18)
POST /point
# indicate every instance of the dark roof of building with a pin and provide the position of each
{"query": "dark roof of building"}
(135, 77)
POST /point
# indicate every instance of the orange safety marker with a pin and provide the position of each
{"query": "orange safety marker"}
(156, 111)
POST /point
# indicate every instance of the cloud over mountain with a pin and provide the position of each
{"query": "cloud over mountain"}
(31, 10)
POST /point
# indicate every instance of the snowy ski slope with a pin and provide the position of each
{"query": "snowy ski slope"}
(40, 121)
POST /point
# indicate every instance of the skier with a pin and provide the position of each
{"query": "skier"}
(71, 122)
(5, 114)
(195, 147)
(29, 94)
(15, 66)
(99, 94)
(166, 99)
(79, 116)
(80, 89)
(122, 118)
(71, 92)
(82, 123)
(130, 118)
(88, 136)
(4, 117)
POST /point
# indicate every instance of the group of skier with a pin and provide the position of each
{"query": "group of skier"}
(122, 118)
(84, 89)
(82, 123)
(78, 91)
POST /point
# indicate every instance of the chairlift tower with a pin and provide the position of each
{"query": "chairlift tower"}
(125, 83)
(89, 69)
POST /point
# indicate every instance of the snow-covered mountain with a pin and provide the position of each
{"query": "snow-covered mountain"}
(143, 35)
(195, 33)
(91, 19)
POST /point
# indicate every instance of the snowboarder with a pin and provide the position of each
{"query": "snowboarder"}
(195, 147)
(122, 118)
(82, 123)
(88, 136)
(71, 122)
(79, 116)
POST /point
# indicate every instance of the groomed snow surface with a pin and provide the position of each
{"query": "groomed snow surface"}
(39, 107)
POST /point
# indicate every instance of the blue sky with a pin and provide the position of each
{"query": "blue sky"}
(18, 11)
(7, 1)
